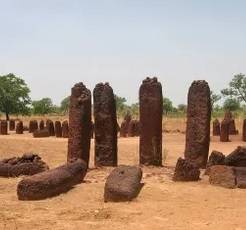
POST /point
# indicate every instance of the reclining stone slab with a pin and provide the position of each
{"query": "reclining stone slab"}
(53, 182)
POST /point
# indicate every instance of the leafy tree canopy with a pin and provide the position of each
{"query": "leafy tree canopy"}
(43, 106)
(14, 95)
(237, 88)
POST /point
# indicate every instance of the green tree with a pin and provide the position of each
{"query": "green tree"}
(65, 105)
(214, 98)
(182, 108)
(134, 108)
(121, 107)
(237, 88)
(14, 95)
(231, 104)
(43, 106)
(167, 105)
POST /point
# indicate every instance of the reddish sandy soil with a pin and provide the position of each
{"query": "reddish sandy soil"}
(162, 204)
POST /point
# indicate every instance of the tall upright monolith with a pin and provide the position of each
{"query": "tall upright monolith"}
(79, 123)
(216, 127)
(65, 129)
(4, 127)
(225, 130)
(105, 126)
(244, 130)
(151, 111)
(58, 129)
(198, 123)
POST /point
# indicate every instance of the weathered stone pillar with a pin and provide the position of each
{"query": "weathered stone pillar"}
(244, 130)
(50, 127)
(198, 123)
(19, 127)
(65, 129)
(151, 110)
(33, 126)
(105, 126)
(4, 127)
(216, 128)
(79, 123)
(41, 125)
(11, 125)
(123, 129)
(58, 129)
(224, 130)
(232, 128)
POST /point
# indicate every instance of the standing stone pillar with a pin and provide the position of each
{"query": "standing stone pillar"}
(198, 123)
(4, 127)
(79, 123)
(232, 128)
(225, 130)
(41, 125)
(50, 126)
(105, 126)
(33, 126)
(216, 128)
(65, 129)
(58, 129)
(19, 127)
(244, 130)
(151, 111)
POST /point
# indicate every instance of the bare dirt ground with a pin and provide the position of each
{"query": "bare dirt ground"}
(162, 204)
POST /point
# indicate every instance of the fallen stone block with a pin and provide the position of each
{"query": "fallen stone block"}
(237, 158)
(53, 182)
(123, 184)
(215, 158)
(240, 176)
(41, 133)
(186, 171)
(28, 164)
(224, 176)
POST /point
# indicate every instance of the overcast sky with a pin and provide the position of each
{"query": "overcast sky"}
(53, 44)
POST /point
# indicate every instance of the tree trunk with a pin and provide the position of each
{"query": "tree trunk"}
(7, 116)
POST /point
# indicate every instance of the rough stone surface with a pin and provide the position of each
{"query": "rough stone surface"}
(50, 127)
(105, 125)
(53, 182)
(79, 123)
(186, 171)
(216, 128)
(198, 123)
(19, 127)
(240, 177)
(224, 176)
(151, 111)
(65, 129)
(123, 129)
(58, 129)
(33, 126)
(133, 128)
(41, 125)
(237, 158)
(244, 130)
(3, 127)
(224, 130)
(41, 133)
(215, 158)
(11, 125)
(92, 130)
(28, 164)
(123, 184)
(232, 128)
